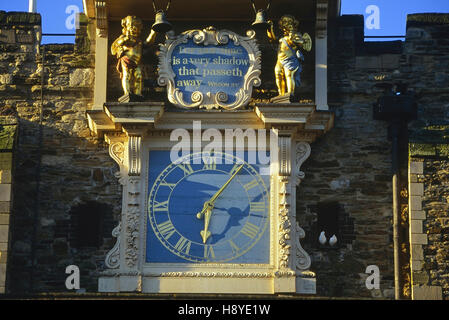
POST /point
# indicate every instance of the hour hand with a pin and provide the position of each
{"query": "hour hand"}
(207, 212)
(205, 234)
(208, 205)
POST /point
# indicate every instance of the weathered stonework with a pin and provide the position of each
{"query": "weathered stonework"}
(427, 51)
(8, 130)
(60, 166)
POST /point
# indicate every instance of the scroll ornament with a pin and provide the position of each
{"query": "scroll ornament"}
(204, 38)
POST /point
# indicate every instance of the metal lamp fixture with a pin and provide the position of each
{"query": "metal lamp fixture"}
(160, 22)
(261, 20)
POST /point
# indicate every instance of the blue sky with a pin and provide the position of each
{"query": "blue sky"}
(391, 14)
(53, 13)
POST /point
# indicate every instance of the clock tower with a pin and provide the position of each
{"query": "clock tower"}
(208, 161)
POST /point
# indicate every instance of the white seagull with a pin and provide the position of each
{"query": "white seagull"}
(322, 239)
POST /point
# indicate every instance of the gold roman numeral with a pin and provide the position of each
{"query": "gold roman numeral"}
(168, 184)
(166, 229)
(160, 206)
(209, 252)
(257, 206)
(250, 230)
(183, 245)
(250, 185)
(186, 167)
(210, 163)
(234, 247)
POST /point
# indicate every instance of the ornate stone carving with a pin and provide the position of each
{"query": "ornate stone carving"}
(303, 260)
(195, 274)
(132, 222)
(117, 152)
(112, 260)
(321, 18)
(206, 37)
(285, 155)
(302, 153)
(101, 15)
(134, 149)
(284, 224)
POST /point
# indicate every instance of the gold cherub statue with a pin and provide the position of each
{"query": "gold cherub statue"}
(288, 66)
(128, 50)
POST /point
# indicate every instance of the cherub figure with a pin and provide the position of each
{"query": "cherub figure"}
(128, 50)
(288, 66)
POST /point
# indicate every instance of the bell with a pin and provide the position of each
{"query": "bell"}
(260, 21)
(160, 23)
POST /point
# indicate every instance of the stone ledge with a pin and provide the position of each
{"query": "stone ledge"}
(429, 150)
(4, 219)
(427, 293)
(416, 265)
(427, 19)
(5, 206)
(5, 192)
(418, 238)
(416, 226)
(417, 215)
(17, 18)
(5, 176)
(2, 274)
(416, 189)
(4, 233)
(415, 203)
(420, 277)
(417, 252)
(416, 167)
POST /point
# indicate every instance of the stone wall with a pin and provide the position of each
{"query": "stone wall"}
(8, 130)
(350, 166)
(59, 165)
(62, 171)
(428, 49)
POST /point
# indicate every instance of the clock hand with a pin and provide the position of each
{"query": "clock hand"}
(209, 206)
(205, 234)
(217, 194)
(212, 200)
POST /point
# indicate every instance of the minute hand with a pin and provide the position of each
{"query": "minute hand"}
(209, 206)
(217, 194)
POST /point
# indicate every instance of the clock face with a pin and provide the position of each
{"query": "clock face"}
(207, 207)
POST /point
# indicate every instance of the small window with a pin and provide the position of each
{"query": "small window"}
(328, 222)
(87, 222)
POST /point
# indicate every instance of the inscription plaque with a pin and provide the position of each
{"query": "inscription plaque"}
(209, 68)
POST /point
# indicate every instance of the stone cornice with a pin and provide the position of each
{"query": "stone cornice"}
(303, 120)
(307, 123)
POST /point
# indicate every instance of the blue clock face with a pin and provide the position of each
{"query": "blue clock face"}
(207, 207)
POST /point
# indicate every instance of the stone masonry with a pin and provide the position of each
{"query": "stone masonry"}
(60, 168)
(428, 48)
(8, 129)
(351, 165)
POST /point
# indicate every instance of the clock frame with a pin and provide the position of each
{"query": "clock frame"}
(133, 130)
